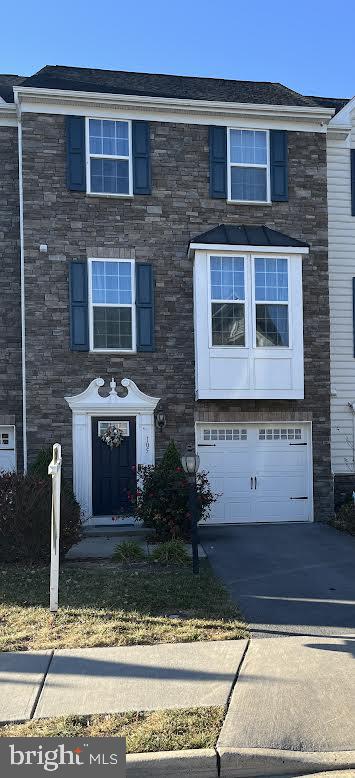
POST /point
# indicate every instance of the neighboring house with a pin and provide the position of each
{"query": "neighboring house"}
(341, 206)
(174, 235)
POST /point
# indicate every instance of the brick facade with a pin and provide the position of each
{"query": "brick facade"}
(10, 330)
(157, 228)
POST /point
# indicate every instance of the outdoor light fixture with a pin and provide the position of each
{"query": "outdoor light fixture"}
(160, 420)
(190, 462)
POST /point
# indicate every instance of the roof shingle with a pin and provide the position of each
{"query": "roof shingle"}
(168, 86)
(244, 235)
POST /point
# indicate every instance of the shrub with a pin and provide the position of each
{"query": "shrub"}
(345, 518)
(25, 518)
(162, 500)
(172, 552)
(128, 551)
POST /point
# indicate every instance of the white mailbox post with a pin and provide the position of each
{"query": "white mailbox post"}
(54, 470)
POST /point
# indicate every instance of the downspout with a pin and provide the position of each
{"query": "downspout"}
(22, 274)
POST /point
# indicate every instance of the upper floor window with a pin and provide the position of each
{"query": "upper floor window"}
(112, 320)
(231, 288)
(228, 301)
(271, 302)
(248, 166)
(109, 157)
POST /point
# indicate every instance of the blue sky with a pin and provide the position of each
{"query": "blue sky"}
(305, 44)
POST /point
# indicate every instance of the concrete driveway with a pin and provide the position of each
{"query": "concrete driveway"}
(289, 579)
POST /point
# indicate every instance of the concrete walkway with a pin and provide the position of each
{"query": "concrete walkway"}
(292, 710)
(288, 579)
(103, 547)
(114, 680)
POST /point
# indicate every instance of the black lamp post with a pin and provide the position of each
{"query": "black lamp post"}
(190, 462)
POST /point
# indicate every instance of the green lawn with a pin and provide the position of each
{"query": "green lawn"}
(113, 605)
(163, 730)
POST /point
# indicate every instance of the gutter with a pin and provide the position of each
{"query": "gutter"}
(179, 105)
(22, 274)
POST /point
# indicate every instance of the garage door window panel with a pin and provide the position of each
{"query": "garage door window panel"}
(227, 277)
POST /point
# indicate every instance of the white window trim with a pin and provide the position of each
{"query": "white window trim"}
(244, 302)
(250, 303)
(256, 302)
(244, 164)
(131, 305)
(108, 156)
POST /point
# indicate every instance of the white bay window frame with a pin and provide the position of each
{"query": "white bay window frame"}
(90, 156)
(131, 305)
(264, 166)
(250, 371)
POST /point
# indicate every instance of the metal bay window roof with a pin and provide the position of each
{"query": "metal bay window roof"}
(244, 235)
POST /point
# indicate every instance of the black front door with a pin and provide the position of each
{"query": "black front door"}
(113, 470)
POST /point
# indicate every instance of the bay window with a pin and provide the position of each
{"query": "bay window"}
(271, 302)
(227, 301)
(230, 290)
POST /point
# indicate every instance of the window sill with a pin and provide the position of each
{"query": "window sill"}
(112, 351)
(249, 202)
(110, 195)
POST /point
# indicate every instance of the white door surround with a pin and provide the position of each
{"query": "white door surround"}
(90, 403)
(262, 470)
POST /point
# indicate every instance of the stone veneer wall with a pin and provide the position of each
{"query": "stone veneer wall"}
(10, 330)
(157, 229)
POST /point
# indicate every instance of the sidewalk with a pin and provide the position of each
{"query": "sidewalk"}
(115, 680)
(291, 713)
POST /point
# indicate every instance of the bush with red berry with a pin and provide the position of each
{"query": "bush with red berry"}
(162, 499)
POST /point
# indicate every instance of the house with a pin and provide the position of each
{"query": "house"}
(341, 206)
(165, 246)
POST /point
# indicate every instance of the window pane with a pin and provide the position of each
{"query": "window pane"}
(110, 176)
(248, 147)
(227, 278)
(228, 326)
(108, 137)
(111, 283)
(271, 325)
(271, 279)
(112, 328)
(248, 183)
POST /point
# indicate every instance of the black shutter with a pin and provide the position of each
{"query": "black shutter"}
(141, 158)
(279, 165)
(76, 162)
(79, 323)
(352, 167)
(218, 162)
(145, 307)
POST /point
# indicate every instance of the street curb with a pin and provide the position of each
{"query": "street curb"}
(263, 762)
(331, 774)
(196, 763)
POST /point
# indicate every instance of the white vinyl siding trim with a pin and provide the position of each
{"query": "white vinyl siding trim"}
(90, 156)
(131, 305)
(232, 164)
(341, 272)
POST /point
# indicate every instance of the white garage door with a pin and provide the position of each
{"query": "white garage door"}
(262, 471)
